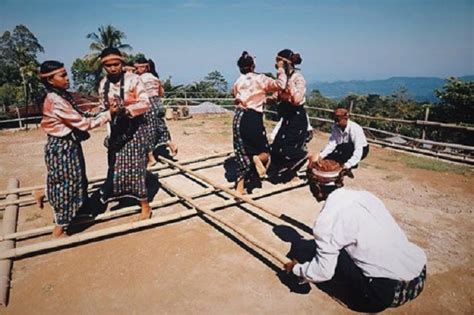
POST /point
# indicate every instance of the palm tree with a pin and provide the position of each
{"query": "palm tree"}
(107, 36)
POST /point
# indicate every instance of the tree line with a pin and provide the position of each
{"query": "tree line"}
(20, 86)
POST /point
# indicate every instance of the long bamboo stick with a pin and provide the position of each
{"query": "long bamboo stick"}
(99, 178)
(154, 205)
(82, 237)
(221, 187)
(9, 224)
(282, 259)
(29, 201)
(104, 216)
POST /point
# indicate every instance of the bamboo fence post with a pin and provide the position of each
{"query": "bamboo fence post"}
(20, 124)
(427, 113)
(10, 218)
(282, 259)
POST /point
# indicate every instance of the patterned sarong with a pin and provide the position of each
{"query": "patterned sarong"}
(408, 290)
(66, 181)
(127, 169)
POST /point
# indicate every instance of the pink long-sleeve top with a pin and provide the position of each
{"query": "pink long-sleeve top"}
(250, 90)
(135, 95)
(295, 90)
(59, 117)
(152, 84)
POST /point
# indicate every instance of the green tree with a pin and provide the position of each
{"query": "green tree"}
(457, 101)
(107, 36)
(216, 81)
(18, 52)
(87, 70)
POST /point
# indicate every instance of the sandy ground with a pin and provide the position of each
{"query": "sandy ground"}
(193, 266)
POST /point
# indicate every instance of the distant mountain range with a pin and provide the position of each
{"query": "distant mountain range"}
(418, 88)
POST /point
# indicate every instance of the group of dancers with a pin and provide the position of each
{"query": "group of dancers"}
(359, 246)
(131, 105)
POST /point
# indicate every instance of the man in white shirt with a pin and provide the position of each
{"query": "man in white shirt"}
(362, 256)
(347, 143)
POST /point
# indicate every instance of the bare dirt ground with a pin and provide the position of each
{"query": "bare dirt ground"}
(192, 266)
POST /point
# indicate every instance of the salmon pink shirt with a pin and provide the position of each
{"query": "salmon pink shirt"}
(59, 117)
(250, 90)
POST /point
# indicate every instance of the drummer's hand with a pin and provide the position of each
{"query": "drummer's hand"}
(289, 265)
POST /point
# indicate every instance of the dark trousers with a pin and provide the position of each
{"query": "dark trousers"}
(358, 292)
(344, 151)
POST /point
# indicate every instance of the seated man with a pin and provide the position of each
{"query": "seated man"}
(362, 258)
(347, 144)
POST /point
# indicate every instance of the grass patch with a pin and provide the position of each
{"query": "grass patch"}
(435, 165)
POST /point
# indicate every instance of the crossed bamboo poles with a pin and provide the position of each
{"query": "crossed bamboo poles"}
(173, 169)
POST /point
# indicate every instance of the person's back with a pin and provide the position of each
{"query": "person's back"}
(379, 248)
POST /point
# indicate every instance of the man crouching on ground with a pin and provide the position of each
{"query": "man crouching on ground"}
(363, 258)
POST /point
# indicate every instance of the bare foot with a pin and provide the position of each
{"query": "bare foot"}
(146, 211)
(295, 179)
(151, 160)
(239, 187)
(39, 198)
(58, 231)
(261, 170)
(173, 148)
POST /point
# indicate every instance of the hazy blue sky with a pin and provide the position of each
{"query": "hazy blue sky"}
(338, 39)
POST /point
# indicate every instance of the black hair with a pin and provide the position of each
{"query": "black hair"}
(110, 51)
(295, 58)
(141, 60)
(48, 66)
(245, 63)
(152, 68)
(51, 65)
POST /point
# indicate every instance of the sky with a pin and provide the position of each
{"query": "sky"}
(337, 39)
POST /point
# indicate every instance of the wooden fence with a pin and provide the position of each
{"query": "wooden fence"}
(449, 151)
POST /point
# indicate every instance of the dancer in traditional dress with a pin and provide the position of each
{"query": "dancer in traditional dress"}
(347, 144)
(288, 150)
(157, 130)
(127, 141)
(250, 139)
(363, 258)
(66, 126)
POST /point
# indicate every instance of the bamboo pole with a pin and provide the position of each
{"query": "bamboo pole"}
(404, 121)
(221, 187)
(282, 259)
(99, 178)
(156, 204)
(29, 201)
(10, 219)
(89, 236)
(425, 152)
(105, 216)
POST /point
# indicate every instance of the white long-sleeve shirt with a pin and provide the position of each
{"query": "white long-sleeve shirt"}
(359, 222)
(353, 133)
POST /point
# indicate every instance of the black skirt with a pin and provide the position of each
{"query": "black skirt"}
(250, 138)
(288, 150)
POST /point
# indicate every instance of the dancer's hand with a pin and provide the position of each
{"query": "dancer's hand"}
(280, 64)
(114, 109)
